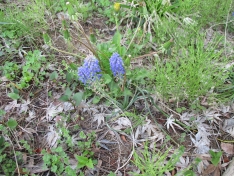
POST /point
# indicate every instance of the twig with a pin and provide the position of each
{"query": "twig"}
(17, 166)
(65, 52)
(90, 47)
(145, 55)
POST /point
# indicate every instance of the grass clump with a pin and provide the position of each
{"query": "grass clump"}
(26, 20)
(189, 75)
(155, 163)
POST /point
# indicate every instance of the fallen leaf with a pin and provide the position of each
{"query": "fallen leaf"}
(123, 121)
(225, 159)
(52, 111)
(217, 172)
(123, 138)
(52, 136)
(24, 106)
(201, 165)
(24, 158)
(210, 169)
(228, 148)
(11, 105)
(38, 150)
(99, 118)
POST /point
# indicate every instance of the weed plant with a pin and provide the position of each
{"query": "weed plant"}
(155, 163)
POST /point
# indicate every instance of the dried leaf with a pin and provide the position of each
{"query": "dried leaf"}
(29, 130)
(217, 172)
(123, 121)
(24, 106)
(99, 118)
(52, 111)
(201, 165)
(183, 163)
(171, 123)
(31, 115)
(52, 136)
(212, 115)
(67, 106)
(228, 148)
(123, 138)
(210, 169)
(11, 105)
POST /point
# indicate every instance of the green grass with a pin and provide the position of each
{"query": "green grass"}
(191, 74)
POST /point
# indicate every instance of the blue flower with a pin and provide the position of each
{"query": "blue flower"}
(117, 66)
(88, 72)
(233, 14)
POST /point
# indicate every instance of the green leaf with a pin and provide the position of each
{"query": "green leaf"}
(107, 78)
(111, 174)
(82, 161)
(69, 77)
(73, 66)
(215, 157)
(189, 173)
(127, 61)
(96, 99)
(14, 96)
(64, 98)
(12, 123)
(127, 92)
(6, 23)
(93, 38)
(53, 75)
(90, 164)
(179, 110)
(78, 98)
(2, 141)
(82, 135)
(66, 34)
(2, 112)
(117, 38)
(68, 92)
(47, 38)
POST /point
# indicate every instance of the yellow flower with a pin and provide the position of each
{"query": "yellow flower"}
(117, 6)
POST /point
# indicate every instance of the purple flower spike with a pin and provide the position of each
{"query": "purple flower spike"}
(117, 66)
(88, 72)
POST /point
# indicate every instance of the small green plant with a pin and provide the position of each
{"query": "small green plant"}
(215, 157)
(58, 161)
(11, 69)
(29, 71)
(7, 160)
(69, 96)
(156, 163)
(84, 161)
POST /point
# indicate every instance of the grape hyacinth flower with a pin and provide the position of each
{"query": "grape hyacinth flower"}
(88, 72)
(117, 65)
